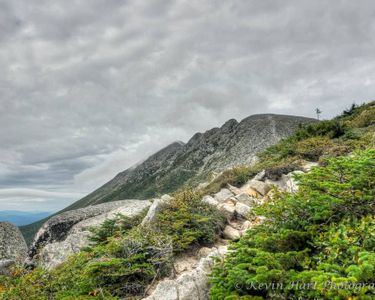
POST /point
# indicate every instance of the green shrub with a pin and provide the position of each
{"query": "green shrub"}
(189, 221)
(125, 257)
(322, 235)
(364, 119)
(126, 265)
(312, 148)
(330, 128)
(116, 226)
(123, 267)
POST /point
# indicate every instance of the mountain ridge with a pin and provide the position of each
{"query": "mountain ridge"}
(180, 164)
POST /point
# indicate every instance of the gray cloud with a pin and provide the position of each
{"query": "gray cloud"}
(87, 89)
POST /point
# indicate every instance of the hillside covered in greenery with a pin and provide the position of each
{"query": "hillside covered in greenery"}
(320, 239)
(318, 243)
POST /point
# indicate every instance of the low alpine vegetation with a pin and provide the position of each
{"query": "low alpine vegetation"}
(316, 244)
(353, 130)
(189, 221)
(125, 257)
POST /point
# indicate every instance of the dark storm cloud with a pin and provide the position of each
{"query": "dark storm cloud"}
(88, 88)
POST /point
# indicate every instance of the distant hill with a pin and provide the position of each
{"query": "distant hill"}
(20, 218)
(179, 164)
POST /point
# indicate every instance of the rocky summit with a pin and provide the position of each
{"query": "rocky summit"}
(233, 144)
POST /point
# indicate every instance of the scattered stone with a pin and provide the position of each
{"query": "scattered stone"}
(184, 263)
(242, 210)
(204, 251)
(260, 176)
(306, 167)
(250, 191)
(246, 199)
(234, 190)
(290, 184)
(231, 201)
(223, 195)
(166, 290)
(227, 209)
(245, 226)
(280, 184)
(260, 186)
(191, 285)
(186, 287)
(222, 250)
(231, 233)
(210, 200)
(153, 210)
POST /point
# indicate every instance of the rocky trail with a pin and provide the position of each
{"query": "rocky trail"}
(68, 233)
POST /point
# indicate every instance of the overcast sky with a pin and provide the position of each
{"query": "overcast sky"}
(88, 88)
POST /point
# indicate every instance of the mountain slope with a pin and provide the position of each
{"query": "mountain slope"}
(179, 164)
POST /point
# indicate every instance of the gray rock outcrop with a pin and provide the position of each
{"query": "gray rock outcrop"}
(155, 208)
(13, 248)
(233, 144)
(68, 233)
(223, 195)
(190, 285)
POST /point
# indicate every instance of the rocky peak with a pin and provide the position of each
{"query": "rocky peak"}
(234, 143)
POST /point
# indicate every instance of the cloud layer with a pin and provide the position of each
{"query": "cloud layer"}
(88, 88)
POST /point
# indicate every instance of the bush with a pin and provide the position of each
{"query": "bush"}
(189, 221)
(123, 267)
(312, 148)
(127, 265)
(322, 235)
(330, 128)
(119, 225)
(125, 257)
(365, 118)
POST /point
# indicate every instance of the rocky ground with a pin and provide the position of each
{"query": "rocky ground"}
(190, 282)
(67, 233)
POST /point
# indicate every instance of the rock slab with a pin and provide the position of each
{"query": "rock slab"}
(13, 248)
(191, 285)
(65, 234)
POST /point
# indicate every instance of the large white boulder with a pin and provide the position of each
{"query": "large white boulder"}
(223, 195)
(260, 186)
(68, 233)
(246, 199)
(13, 248)
(242, 210)
(190, 285)
(210, 200)
(290, 183)
(231, 233)
(154, 209)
